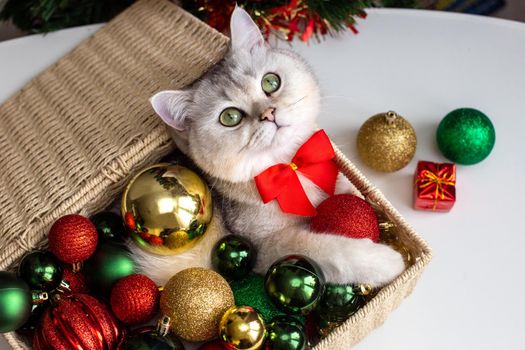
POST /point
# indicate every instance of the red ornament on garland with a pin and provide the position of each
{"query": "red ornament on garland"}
(212, 345)
(73, 239)
(135, 299)
(346, 215)
(77, 321)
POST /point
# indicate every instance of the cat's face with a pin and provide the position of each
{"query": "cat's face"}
(252, 110)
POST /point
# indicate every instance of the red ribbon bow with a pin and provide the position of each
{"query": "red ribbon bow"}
(314, 159)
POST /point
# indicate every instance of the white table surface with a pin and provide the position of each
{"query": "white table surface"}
(422, 65)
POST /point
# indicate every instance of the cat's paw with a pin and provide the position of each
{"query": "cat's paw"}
(363, 261)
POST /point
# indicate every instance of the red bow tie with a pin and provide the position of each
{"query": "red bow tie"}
(313, 160)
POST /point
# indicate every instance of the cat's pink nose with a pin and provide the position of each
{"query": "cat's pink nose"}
(268, 115)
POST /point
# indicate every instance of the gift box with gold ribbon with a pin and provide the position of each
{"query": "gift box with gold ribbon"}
(435, 186)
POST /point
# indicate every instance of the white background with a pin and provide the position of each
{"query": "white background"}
(422, 65)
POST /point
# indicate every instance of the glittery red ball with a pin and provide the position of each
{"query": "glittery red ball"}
(212, 345)
(135, 299)
(76, 280)
(73, 238)
(77, 321)
(346, 215)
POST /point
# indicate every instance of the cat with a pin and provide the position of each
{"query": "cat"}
(252, 110)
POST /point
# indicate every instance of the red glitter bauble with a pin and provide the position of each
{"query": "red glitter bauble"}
(76, 280)
(212, 345)
(77, 321)
(73, 238)
(135, 299)
(346, 215)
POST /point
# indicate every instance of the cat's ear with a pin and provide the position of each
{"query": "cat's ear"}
(244, 32)
(172, 107)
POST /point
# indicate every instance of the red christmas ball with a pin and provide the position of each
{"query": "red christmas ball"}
(212, 345)
(73, 238)
(76, 280)
(135, 299)
(77, 321)
(346, 215)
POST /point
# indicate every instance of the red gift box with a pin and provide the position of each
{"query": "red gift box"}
(435, 186)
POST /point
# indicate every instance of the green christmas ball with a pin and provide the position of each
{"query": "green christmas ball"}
(15, 302)
(250, 291)
(466, 136)
(41, 271)
(295, 284)
(110, 226)
(233, 257)
(286, 333)
(147, 338)
(339, 302)
(107, 265)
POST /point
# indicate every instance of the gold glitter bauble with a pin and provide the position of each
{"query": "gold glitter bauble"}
(386, 142)
(195, 300)
(167, 208)
(242, 328)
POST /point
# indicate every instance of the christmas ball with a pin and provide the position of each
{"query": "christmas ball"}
(386, 142)
(75, 282)
(212, 345)
(339, 302)
(195, 300)
(110, 263)
(15, 302)
(233, 257)
(466, 136)
(73, 239)
(295, 284)
(77, 321)
(40, 270)
(242, 328)
(346, 215)
(167, 208)
(147, 338)
(250, 291)
(110, 227)
(135, 299)
(286, 333)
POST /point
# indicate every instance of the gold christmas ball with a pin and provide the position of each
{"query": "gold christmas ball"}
(167, 208)
(195, 300)
(386, 142)
(242, 328)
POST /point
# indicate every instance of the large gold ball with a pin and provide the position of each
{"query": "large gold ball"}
(167, 209)
(386, 142)
(195, 300)
(242, 328)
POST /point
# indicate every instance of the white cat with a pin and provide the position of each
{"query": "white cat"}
(252, 110)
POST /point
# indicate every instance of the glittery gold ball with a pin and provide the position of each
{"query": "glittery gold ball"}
(195, 299)
(386, 142)
(242, 328)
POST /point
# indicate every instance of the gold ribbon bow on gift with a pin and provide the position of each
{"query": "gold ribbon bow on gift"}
(435, 182)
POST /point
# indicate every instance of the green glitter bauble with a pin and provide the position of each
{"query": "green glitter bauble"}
(466, 136)
(250, 291)
(107, 265)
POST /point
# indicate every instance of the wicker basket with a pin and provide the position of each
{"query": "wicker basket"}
(71, 138)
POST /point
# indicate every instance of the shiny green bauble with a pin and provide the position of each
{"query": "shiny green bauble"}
(107, 265)
(286, 333)
(147, 338)
(233, 257)
(110, 227)
(295, 284)
(15, 302)
(339, 302)
(40, 270)
(466, 136)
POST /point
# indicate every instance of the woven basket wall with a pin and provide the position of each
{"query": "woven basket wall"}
(73, 136)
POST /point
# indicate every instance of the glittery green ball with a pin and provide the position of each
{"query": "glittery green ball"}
(466, 136)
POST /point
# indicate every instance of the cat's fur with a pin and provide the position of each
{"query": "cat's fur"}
(232, 156)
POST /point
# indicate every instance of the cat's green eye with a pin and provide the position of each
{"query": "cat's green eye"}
(270, 83)
(230, 117)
